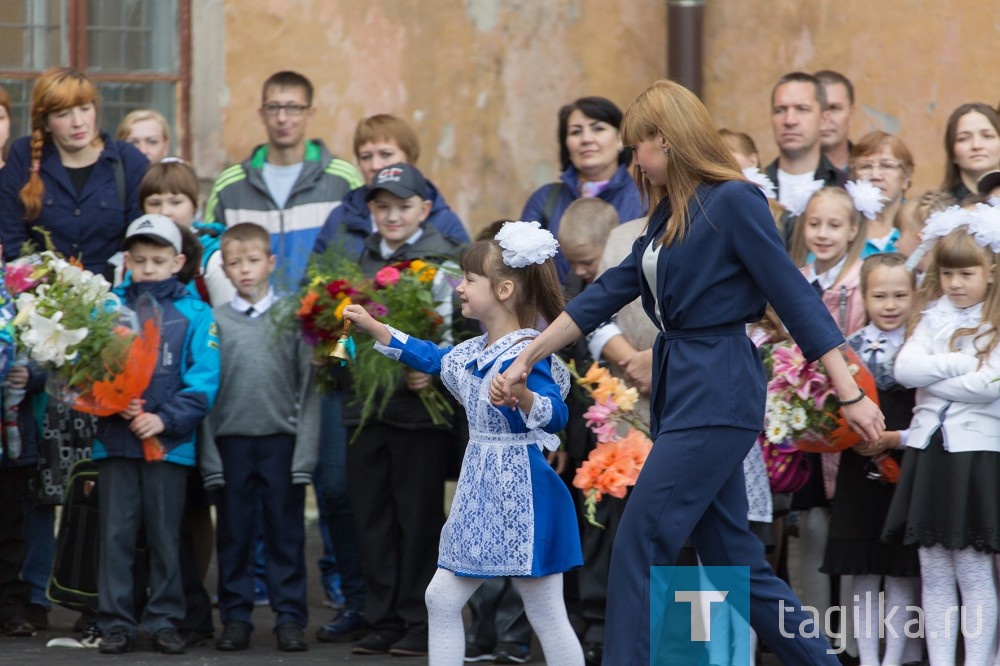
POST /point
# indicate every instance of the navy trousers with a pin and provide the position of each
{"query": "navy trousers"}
(137, 496)
(692, 485)
(261, 467)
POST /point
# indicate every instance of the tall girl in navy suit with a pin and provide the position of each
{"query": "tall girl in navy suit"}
(709, 262)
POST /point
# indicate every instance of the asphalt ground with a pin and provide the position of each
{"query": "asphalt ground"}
(263, 649)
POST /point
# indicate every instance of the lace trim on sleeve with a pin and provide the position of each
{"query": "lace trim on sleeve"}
(392, 352)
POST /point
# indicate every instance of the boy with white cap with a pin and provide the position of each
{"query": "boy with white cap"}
(144, 491)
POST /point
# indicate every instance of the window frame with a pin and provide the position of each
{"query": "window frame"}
(76, 49)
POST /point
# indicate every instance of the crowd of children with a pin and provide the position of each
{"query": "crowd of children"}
(911, 283)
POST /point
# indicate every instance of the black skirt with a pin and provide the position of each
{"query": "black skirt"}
(858, 513)
(946, 499)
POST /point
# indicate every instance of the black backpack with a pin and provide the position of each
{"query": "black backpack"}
(73, 582)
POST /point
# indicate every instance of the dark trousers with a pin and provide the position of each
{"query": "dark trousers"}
(140, 497)
(497, 615)
(344, 537)
(692, 485)
(14, 592)
(261, 467)
(396, 483)
(593, 576)
(198, 611)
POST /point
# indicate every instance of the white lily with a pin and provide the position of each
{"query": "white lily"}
(48, 340)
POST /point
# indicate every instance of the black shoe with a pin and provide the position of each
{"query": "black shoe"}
(476, 653)
(16, 626)
(235, 636)
(347, 627)
(38, 616)
(117, 641)
(593, 652)
(412, 644)
(377, 642)
(290, 638)
(193, 639)
(513, 653)
(84, 623)
(168, 641)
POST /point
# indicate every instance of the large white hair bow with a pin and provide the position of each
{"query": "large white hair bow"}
(797, 200)
(760, 179)
(867, 198)
(526, 243)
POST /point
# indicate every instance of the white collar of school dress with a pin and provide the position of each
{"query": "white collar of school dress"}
(488, 355)
(944, 318)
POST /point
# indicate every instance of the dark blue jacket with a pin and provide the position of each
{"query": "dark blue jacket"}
(90, 226)
(184, 384)
(350, 223)
(719, 278)
(620, 192)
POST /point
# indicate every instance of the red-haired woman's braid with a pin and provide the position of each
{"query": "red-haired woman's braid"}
(31, 193)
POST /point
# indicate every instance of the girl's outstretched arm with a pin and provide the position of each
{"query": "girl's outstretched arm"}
(360, 318)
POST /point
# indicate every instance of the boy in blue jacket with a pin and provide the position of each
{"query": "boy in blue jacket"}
(136, 494)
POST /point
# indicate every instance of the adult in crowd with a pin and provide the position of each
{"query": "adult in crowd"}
(594, 164)
(379, 141)
(972, 141)
(885, 161)
(288, 185)
(68, 178)
(148, 131)
(708, 264)
(836, 124)
(4, 125)
(797, 103)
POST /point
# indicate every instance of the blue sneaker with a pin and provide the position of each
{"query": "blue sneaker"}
(260, 597)
(347, 627)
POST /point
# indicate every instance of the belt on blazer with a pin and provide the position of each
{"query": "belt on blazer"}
(705, 332)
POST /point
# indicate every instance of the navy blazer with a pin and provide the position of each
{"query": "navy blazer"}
(719, 278)
(89, 226)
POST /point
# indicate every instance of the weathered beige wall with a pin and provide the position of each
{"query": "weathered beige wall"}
(912, 62)
(480, 80)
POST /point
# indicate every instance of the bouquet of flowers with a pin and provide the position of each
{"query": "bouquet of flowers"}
(802, 410)
(614, 464)
(399, 295)
(98, 354)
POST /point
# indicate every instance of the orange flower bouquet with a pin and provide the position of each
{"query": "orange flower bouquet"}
(614, 464)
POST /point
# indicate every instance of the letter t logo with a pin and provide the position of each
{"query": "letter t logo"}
(701, 601)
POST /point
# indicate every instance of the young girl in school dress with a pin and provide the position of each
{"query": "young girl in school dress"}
(833, 231)
(512, 515)
(947, 501)
(857, 515)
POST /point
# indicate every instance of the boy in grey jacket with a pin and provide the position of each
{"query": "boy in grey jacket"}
(260, 445)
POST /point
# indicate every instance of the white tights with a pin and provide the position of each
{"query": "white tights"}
(543, 603)
(899, 594)
(939, 570)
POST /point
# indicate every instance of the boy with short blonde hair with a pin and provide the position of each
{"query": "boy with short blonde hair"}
(583, 232)
(268, 452)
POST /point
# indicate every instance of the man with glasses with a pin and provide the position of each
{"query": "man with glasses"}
(288, 185)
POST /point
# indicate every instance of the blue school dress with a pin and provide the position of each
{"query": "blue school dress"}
(512, 515)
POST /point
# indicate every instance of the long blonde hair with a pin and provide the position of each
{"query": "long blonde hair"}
(959, 250)
(58, 88)
(697, 152)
